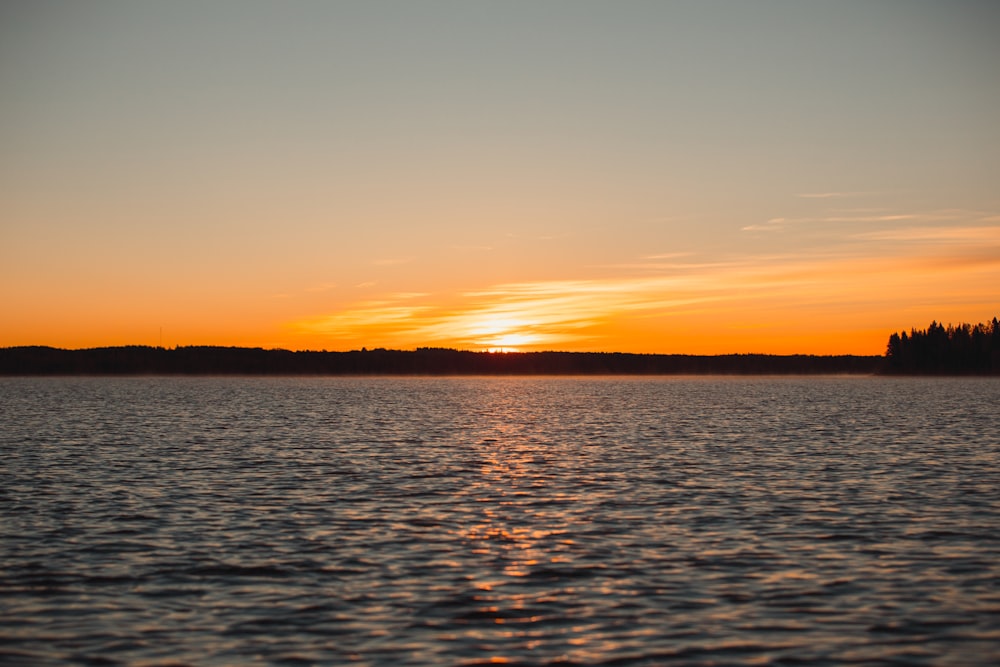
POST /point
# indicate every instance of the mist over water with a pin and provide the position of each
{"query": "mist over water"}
(462, 521)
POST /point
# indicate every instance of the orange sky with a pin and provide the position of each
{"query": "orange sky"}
(644, 177)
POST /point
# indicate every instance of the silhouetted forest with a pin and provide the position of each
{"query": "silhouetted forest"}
(142, 360)
(964, 349)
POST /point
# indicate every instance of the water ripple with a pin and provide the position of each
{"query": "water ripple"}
(483, 521)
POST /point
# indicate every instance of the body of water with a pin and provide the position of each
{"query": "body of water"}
(474, 521)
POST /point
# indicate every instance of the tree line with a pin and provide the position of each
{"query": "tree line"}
(963, 349)
(205, 360)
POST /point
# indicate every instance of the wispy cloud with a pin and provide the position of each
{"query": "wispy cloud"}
(385, 315)
(658, 262)
(671, 267)
(936, 234)
(539, 314)
(832, 195)
(728, 295)
(775, 224)
(392, 261)
(870, 217)
(668, 255)
(772, 225)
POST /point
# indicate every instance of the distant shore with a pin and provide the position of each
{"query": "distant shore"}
(207, 360)
(962, 350)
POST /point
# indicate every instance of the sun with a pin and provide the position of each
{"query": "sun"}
(510, 342)
(515, 339)
(503, 334)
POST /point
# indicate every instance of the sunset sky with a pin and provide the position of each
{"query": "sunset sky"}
(682, 177)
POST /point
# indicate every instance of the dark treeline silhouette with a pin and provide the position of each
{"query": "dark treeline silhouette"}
(200, 360)
(956, 350)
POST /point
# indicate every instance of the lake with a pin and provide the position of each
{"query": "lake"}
(476, 521)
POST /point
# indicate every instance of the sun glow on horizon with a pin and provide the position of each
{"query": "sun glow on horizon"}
(827, 303)
(511, 342)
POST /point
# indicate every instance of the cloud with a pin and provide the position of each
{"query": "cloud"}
(940, 263)
(392, 261)
(408, 295)
(772, 225)
(778, 223)
(936, 234)
(673, 267)
(539, 314)
(831, 195)
(547, 313)
(385, 315)
(668, 255)
(866, 216)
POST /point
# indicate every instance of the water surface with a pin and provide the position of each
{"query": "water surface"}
(463, 521)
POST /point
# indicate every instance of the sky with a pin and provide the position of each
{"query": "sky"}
(700, 177)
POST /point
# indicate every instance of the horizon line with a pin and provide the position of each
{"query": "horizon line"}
(426, 348)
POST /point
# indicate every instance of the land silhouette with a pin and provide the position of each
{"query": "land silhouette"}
(963, 349)
(202, 360)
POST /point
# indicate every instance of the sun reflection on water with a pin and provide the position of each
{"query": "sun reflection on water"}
(520, 533)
